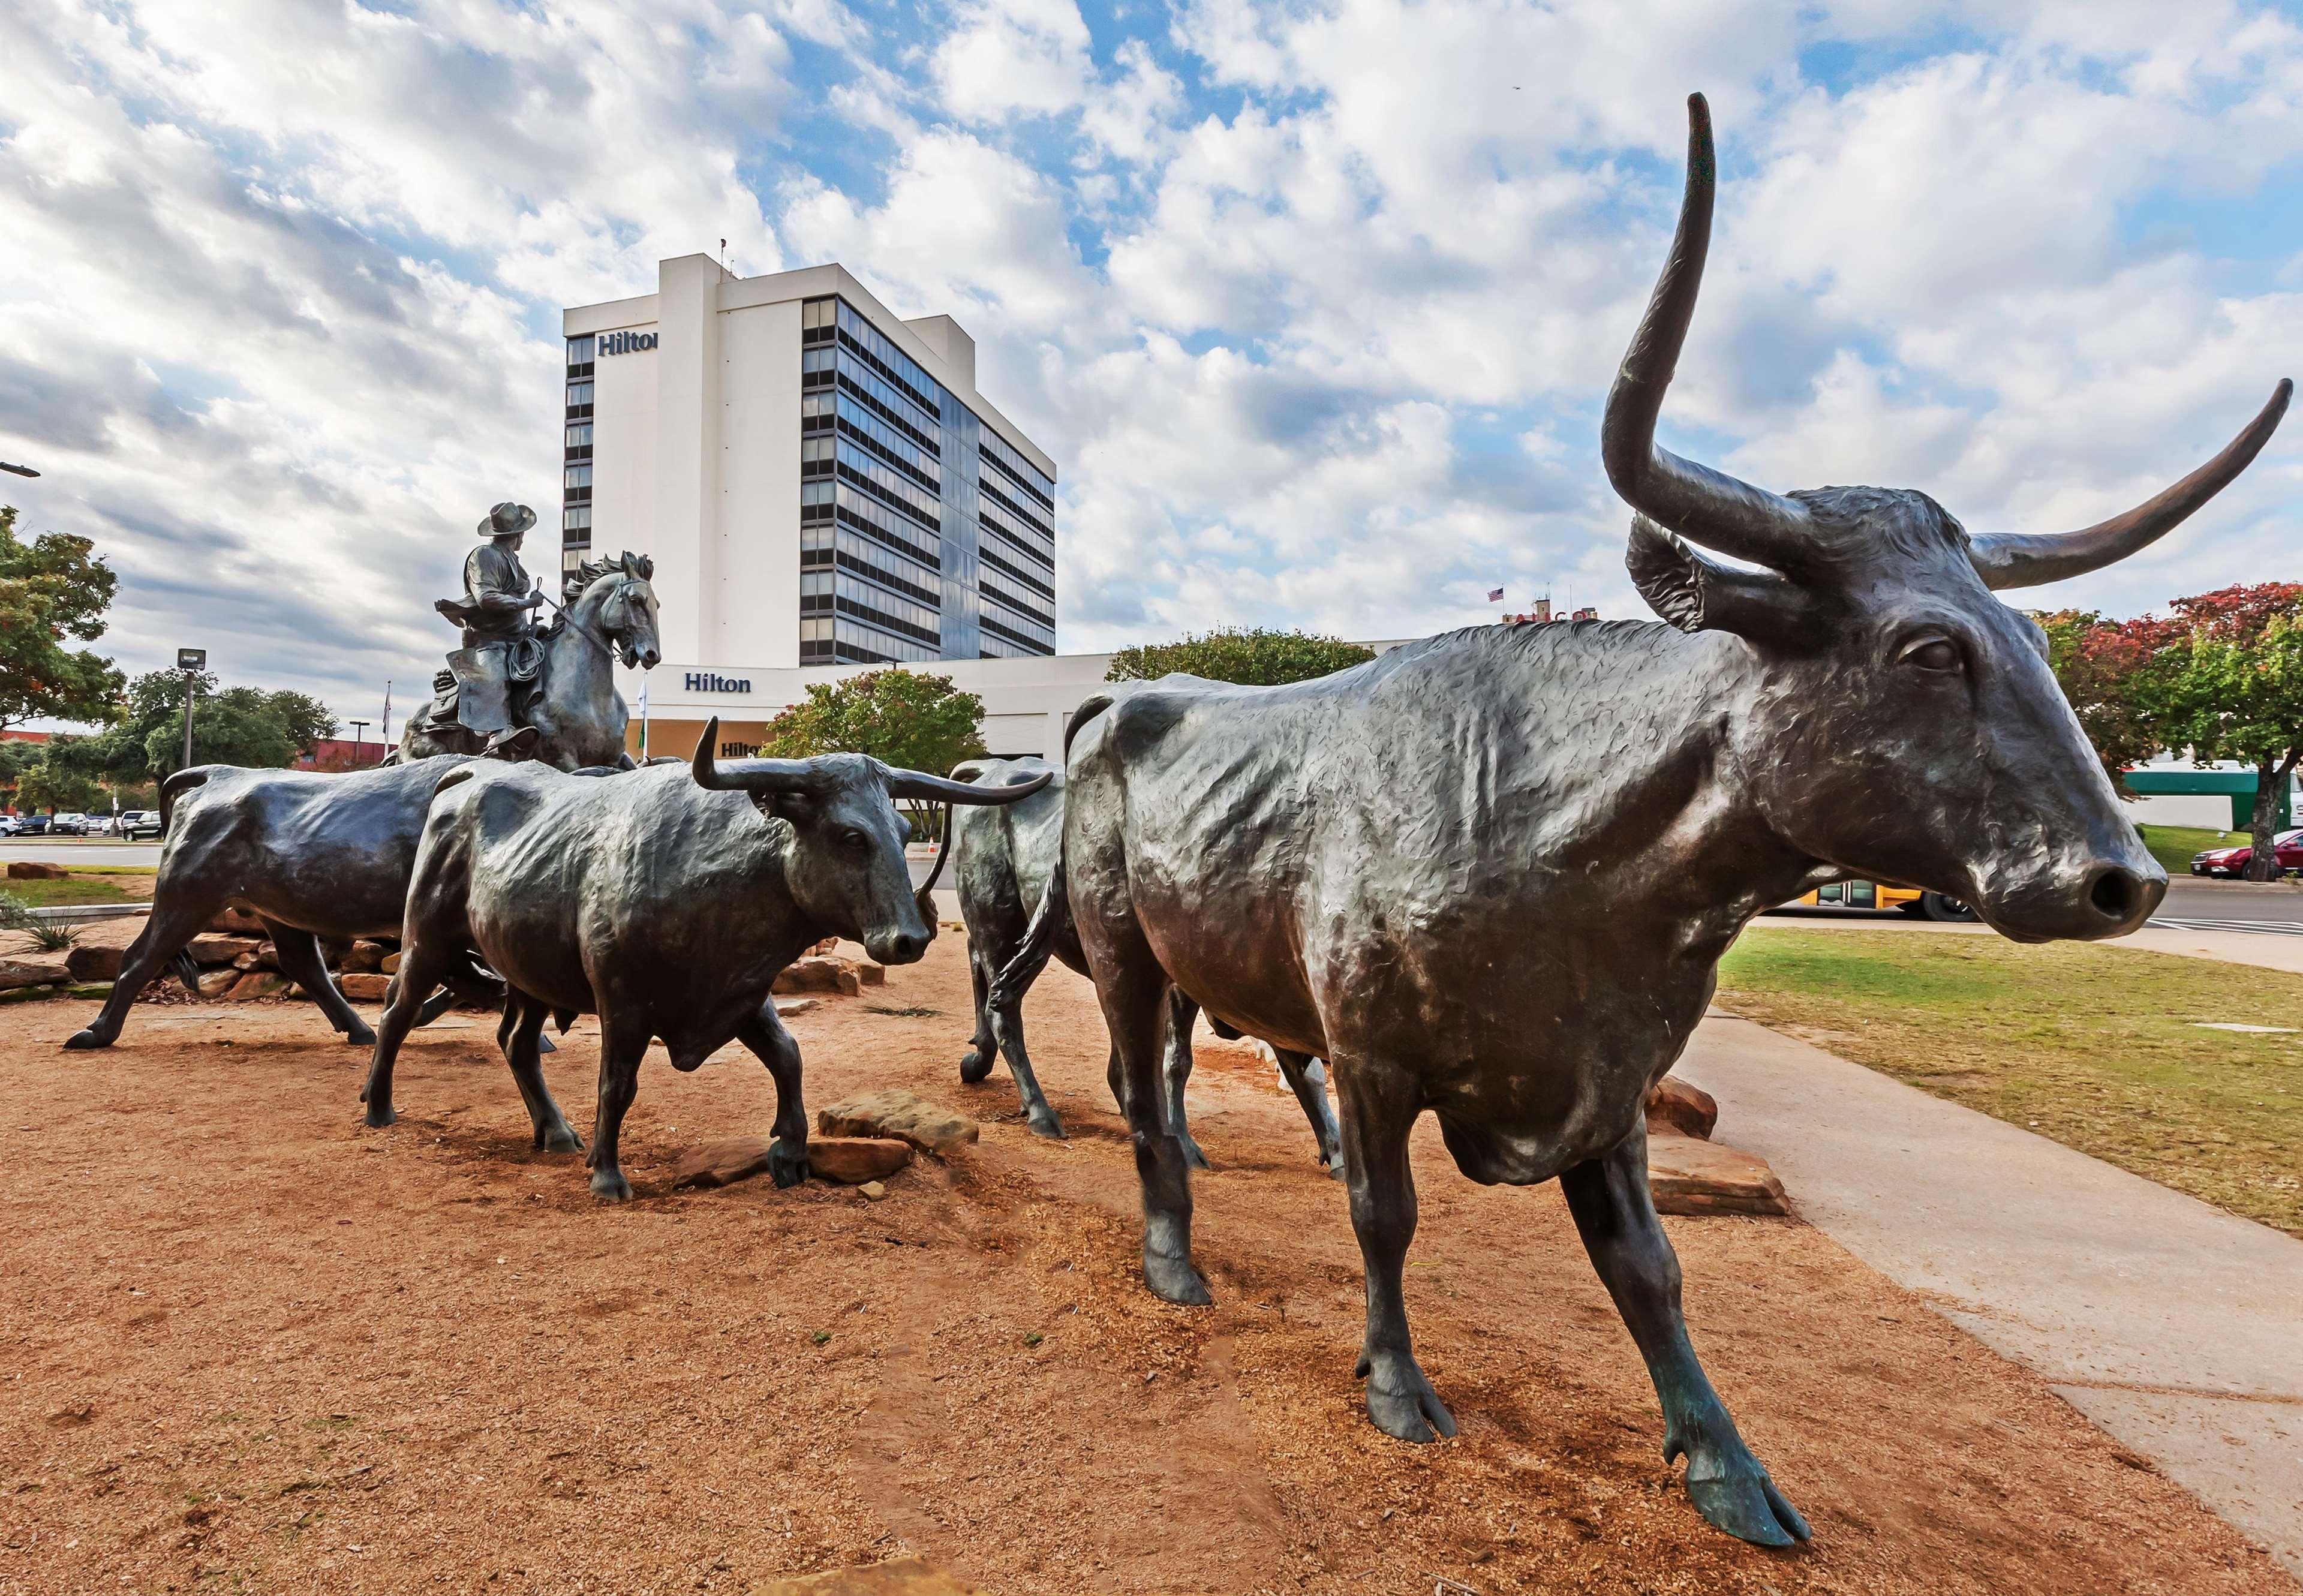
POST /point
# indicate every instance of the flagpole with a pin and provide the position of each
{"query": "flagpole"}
(643, 719)
(386, 732)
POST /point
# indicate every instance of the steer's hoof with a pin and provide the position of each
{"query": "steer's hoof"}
(1043, 1122)
(1336, 1170)
(610, 1187)
(1401, 1402)
(381, 1114)
(975, 1066)
(787, 1166)
(1175, 1280)
(561, 1138)
(1748, 1506)
(80, 1040)
(360, 1035)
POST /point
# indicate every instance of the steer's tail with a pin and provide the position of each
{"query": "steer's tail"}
(1039, 944)
(1054, 911)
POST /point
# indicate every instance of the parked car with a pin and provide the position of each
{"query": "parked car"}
(2287, 847)
(68, 825)
(140, 823)
(10, 824)
(35, 826)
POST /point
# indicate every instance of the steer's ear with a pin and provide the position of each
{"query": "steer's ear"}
(1698, 594)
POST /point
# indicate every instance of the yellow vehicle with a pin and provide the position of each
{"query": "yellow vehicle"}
(1880, 894)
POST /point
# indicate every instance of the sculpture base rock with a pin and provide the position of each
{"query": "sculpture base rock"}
(1690, 1176)
(1674, 1104)
(904, 1116)
(851, 1161)
(33, 870)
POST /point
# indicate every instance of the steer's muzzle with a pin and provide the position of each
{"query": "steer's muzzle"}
(2104, 899)
(902, 947)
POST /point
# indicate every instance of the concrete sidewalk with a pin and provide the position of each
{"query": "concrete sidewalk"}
(2173, 1325)
(2260, 949)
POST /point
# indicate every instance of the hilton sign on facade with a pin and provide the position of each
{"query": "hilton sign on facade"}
(706, 682)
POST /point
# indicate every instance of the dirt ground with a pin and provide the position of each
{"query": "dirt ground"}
(246, 1345)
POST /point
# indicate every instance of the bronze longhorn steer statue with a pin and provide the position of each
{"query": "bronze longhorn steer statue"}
(1489, 875)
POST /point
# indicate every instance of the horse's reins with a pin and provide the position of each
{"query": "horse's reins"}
(572, 624)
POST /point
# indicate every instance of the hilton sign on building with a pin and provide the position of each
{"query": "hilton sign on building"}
(820, 486)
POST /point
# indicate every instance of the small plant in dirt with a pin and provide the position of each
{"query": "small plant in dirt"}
(49, 936)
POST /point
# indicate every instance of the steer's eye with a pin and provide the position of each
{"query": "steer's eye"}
(856, 842)
(1936, 653)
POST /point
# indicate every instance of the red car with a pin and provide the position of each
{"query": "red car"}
(2286, 846)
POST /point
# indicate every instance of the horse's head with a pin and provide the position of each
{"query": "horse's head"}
(612, 599)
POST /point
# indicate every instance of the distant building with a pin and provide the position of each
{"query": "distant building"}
(1541, 615)
(817, 480)
(340, 754)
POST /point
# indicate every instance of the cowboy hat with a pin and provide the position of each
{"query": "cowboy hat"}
(508, 520)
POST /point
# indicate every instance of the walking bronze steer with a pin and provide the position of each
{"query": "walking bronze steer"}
(1005, 859)
(1488, 876)
(664, 900)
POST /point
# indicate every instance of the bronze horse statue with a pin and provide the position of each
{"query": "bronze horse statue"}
(574, 711)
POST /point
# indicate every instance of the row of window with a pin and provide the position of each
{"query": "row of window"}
(822, 501)
(877, 350)
(899, 493)
(819, 544)
(997, 584)
(822, 369)
(1026, 476)
(993, 647)
(818, 590)
(881, 438)
(1014, 572)
(1017, 635)
(1025, 547)
(1002, 504)
(1025, 619)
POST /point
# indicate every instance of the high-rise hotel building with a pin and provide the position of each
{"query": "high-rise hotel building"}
(818, 481)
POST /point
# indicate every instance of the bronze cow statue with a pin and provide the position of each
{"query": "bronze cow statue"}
(1004, 859)
(1489, 875)
(665, 901)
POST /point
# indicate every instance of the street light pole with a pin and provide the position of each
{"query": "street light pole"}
(359, 742)
(191, 661)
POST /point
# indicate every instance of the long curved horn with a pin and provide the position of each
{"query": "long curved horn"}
(922, 788)
(745, 775)
(1703, 505)
(2025, 559)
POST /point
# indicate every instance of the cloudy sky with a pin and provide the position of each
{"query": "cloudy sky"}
(1313, 303)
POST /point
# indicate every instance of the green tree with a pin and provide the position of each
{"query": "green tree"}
(17, 759)
(246, 726)
(1254, 655)
(900, 717)
(52, 589)
(49, 785)
(2235, 692)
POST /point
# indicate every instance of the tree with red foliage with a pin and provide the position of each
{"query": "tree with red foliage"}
(2237, 692)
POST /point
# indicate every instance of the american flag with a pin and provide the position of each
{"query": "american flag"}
(1494, 596)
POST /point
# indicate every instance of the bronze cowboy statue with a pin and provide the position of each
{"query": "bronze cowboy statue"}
(518, 691)
(497, 665)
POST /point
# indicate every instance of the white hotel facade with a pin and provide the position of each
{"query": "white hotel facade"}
(823, 491)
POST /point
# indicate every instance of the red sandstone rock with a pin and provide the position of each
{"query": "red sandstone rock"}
(1685, 1176)
(851, 1161)
(1674, 1104)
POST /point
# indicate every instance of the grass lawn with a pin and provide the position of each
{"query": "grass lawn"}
(2098, 1047)
(2173, 845)
(75, 888)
